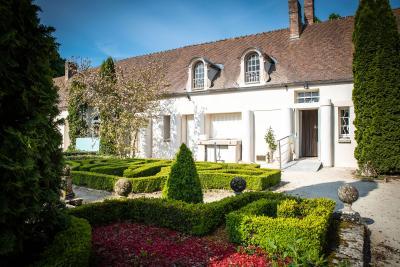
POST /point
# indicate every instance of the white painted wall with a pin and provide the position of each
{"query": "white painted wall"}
(273, 107)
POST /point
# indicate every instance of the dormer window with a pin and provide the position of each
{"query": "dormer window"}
(198, 76)
(252, 74)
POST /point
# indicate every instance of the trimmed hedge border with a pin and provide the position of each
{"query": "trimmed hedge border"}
(195, 219)
(149, 175)
(291, 227)
(155, 183)
(70, 247)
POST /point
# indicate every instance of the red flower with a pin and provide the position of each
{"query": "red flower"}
(127, 244)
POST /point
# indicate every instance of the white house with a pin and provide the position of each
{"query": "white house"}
(225, 94)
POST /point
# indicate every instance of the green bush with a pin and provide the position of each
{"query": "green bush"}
(221, 180)
(183, 181)
(288, 209)
(306, 233)
(31, 159)
(117, 170)
(148, 184)
(94, 180)
(195, 219)
(148, 169)
(70, 247)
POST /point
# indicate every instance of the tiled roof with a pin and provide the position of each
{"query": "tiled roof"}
(323, 52)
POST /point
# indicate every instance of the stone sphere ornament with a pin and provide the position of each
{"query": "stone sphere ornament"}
(348, 194)
(238, 184)
(123, 187)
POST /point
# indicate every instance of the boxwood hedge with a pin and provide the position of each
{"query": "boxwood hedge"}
(70, 247)
(196, 219)
(149, 175)
(290, 227)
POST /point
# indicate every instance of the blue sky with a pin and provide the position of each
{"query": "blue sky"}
(95, 29)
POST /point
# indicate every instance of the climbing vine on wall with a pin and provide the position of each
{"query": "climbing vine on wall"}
(77, 108)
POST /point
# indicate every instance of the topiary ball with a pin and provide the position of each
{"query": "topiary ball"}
(123, 187)
(238, 184)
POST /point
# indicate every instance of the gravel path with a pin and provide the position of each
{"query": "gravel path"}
(92, 195)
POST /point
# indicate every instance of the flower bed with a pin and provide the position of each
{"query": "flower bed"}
(149, 175)
(127, 244)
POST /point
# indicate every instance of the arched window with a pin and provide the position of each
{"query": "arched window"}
(252, 73)
(198, 75)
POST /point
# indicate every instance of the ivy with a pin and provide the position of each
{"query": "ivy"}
(77, 109)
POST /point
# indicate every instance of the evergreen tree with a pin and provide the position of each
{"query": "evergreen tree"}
(57, 64)
(183, 182)
(107, 139)
(334, 16)
(376, 88)
(384, 147)
(30, 154)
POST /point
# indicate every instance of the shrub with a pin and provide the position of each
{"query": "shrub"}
(70, 247)
(148, 184)
(288, 209)
(183, 181)
(195, 219)
(256, 224)
(94, 180)
(30, 154)
(221, 180)
(148, 169)
(117, 170)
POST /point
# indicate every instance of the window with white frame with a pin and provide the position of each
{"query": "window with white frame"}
(167, 128)
(252, 73)
(344, 123)
(198, 76)
(308, 97)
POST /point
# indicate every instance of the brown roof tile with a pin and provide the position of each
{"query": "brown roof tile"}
(322, 53)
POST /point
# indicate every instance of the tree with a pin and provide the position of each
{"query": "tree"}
(30, 154)
(334, 16)
(376, 88)
(183, 182)
(107, 136)
(317, 20)
(384, 146)
(127, 101)
(57, 64)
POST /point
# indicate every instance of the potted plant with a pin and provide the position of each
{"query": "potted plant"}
(271, 142)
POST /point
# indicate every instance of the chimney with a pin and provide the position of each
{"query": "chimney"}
(70, 69)
(309, 12)
(295, 24)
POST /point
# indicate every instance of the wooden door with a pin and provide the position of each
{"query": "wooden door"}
(309, 133)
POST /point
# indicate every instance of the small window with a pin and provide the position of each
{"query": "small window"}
(198, 76)
(344, 123)
(167, 128)
(307, 97)
(252, 74)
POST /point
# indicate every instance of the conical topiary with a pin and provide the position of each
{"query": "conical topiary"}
(183, 181)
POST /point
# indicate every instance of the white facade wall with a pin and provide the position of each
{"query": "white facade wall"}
(262, 108)
(193, 120)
